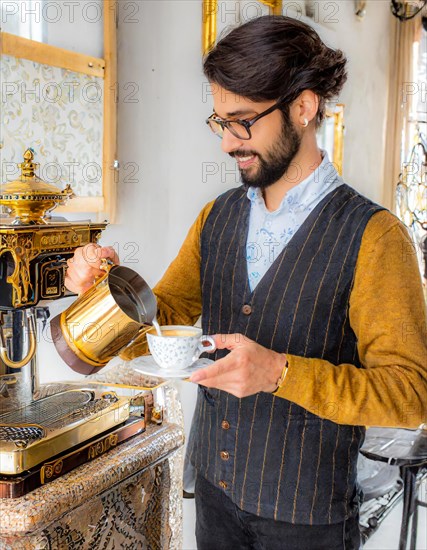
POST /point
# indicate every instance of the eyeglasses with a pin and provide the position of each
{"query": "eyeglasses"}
(240, 129)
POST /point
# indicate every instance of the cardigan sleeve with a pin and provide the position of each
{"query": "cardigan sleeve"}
(178, 293)
(388, 315)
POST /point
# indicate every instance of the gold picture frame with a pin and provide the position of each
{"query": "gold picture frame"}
(330, 135)
(209, 26)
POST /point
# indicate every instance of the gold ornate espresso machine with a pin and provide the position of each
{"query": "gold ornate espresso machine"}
(34, 248)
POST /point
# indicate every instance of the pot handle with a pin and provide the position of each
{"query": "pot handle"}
(106, 264)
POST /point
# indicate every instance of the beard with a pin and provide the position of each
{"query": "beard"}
(274, 163)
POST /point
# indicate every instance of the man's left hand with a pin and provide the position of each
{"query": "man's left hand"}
(248, 369)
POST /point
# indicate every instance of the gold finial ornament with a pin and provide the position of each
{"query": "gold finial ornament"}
(28, 167)
(28, 199)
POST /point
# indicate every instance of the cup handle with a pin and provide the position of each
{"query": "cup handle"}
(202, 349)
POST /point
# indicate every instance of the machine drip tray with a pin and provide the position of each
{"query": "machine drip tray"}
(17, 486)
(33, 434)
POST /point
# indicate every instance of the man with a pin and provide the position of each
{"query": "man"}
(313, 294)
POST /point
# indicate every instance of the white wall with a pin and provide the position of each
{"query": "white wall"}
(164, 133)
(367, 46)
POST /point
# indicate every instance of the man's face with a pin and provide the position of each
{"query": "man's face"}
(265, 158)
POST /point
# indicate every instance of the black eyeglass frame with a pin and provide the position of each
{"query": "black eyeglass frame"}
(246, 123)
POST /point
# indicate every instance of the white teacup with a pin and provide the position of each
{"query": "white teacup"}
(178, 346)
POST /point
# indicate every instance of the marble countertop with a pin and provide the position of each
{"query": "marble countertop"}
(44, 505)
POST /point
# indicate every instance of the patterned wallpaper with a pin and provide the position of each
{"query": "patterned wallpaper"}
(59, 113)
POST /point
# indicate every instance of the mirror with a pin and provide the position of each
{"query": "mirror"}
(59, 101)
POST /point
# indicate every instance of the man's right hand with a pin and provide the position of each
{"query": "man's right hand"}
(84, 267)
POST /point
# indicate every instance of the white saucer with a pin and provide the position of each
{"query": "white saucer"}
(146, 365)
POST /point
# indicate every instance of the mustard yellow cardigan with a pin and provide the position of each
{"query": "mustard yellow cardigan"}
(387, 314)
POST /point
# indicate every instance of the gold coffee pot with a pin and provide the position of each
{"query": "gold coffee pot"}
(28, 199)
(104, 320)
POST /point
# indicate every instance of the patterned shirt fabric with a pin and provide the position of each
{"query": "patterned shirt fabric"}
(269, 232)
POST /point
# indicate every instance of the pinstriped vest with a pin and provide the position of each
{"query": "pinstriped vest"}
(272, 457)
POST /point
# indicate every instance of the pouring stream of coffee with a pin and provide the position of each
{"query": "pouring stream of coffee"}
(157, 327)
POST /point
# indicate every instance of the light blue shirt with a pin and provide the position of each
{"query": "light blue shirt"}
(270, 232)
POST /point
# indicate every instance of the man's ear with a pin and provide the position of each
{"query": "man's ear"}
(305, 107)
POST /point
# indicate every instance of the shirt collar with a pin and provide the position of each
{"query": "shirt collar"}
(305, 193)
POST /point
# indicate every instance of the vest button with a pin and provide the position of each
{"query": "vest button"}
(224, 455)
(225, 425)
(223, 485)
(246, 309)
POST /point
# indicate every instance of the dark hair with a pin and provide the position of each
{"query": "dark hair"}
(276, 57)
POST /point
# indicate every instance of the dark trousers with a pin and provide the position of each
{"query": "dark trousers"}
(221, 525)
